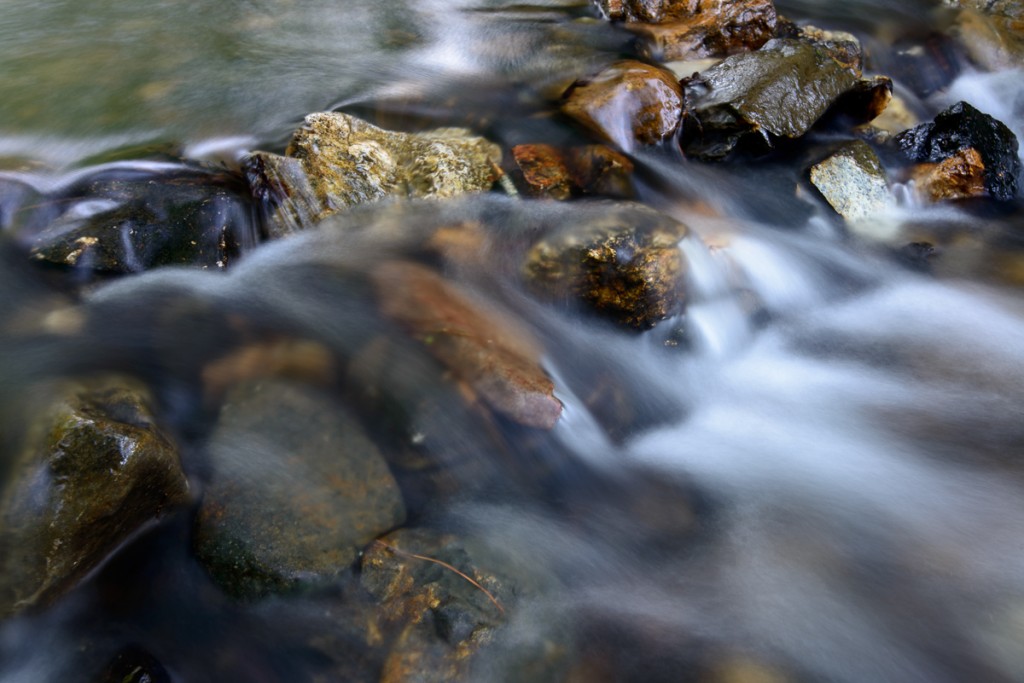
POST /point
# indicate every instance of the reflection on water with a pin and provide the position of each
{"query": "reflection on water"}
(813, 475)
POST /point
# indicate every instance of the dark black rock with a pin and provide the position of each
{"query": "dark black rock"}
(133, 664)
(132, 217)
(964, 127)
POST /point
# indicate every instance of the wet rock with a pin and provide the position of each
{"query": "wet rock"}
(865, 101)
(963, 127)
(853, 181)
(282, 192)
(130, 219)
(627, 266)
(779, 91)
(961, 176)
(95, 469)
(1006, 8)
(844, 47)
(628, 102)
(544, 170)
(705, 28)
(296, 490)
(447, 604)
(925, 64)
(493, 356)
(895, 119)
(348, 161)
(589, 170)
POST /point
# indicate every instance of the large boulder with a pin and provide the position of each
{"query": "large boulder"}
(296, 490)
(94, 470)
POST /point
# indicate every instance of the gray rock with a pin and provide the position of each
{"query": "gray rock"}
(296, 490)
(94, 470)
(853, 181)
(624, 264)
(780, 90)
(348, 161)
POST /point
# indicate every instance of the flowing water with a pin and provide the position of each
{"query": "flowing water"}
(813, 475)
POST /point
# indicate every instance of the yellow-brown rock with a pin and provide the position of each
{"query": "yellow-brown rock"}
(628, 102)
(626, 266)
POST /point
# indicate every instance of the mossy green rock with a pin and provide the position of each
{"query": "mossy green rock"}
(779, 91)
(94, 470)
(296, 490)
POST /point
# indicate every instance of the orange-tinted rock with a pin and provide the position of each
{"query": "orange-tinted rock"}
(544, 170)
(961, 176)
(713, 29)
(492, 355)
(628, 102)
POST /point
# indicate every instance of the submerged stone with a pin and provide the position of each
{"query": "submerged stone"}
(554, 173)
(446, 604)
(853, 181)
(779, 91)
(94, 470)
(495, 357)
(962, 127)
(627, 266)
(296, 490)
(349, 161)
(628, 102)
(127, 220)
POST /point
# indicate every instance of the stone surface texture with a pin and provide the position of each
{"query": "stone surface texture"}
(853, 181)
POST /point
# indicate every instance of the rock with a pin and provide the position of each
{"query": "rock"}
(349, 161)
(134, 665)
(282, 192)
(961, 176)
(129, 219)
(853, 181)
(492, 355)
(1007, 8)
(600, 170)
(591, 170)
(844, 47)
(94, 470)
(924, 64)
(963, 127)
(626, 266)
(544, 170)
(865, 101)
(779, 91)
(707, 28)
(446, 604)
(296, 490)
(895, 119)
(993, 39)
(628, 102)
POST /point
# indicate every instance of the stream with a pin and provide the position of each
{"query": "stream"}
(814, 474)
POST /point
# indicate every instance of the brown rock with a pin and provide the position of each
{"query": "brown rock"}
(626, 266)
(544, 170)
(712, 29)
(600, 170)
(628, 102)
(591, 170)
(491, 354)
(961, 176)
